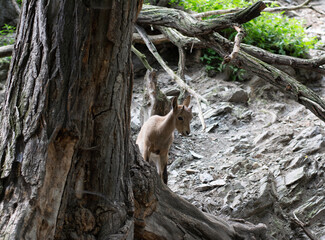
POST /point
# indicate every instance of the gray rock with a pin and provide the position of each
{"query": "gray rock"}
(212, 127)
(218, 183)
(223, 108)
(191, 171)
(238, 96)
(262, 137)
(313, 210)
(196, 155)
(281, 188)
(205, 177)
(315, 144)
(309, 132)
(294, 176)
(180, 161)
(203, 187)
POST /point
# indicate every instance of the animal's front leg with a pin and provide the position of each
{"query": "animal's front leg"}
(146, 154)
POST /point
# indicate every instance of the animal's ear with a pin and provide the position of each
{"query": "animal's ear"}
(174, 104)
(187, 101)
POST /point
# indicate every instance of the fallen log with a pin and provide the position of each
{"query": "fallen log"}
(186, 24)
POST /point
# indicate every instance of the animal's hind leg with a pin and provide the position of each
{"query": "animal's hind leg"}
(163, 166)
(165, 175)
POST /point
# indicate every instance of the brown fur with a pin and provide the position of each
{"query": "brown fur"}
(157, 133)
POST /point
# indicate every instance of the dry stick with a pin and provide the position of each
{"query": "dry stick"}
(297, 221)
(238, 39)
(178, 80)
(181, 63)
(142, 58)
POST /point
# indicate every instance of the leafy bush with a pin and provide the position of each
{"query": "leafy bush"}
(6, 35)
(276, 33)
(280, 34)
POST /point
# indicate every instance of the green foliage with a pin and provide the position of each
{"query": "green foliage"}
(208, 5)
(6, 35)
(279, 34)
(19, 2)
(276, 33)
(214, 63)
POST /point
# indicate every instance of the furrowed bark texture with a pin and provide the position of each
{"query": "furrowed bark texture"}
(189, 25)
(64, 142)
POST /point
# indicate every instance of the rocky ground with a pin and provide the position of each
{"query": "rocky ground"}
(262, 155)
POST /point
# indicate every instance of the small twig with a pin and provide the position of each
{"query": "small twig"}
(238, 39)
(142, 58)
(181, 63)
(296, 220)
(317, 10)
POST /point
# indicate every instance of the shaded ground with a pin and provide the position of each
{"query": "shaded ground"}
(262, 157)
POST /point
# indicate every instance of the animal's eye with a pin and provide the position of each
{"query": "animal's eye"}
(180, 118)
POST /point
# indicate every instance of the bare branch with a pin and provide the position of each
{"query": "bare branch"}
(272, 58)
(238, 39)
(189, 26)
(142, 58)
(155, 39)
(6, 51)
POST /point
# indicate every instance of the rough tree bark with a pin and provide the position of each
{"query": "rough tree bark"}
(9, 12)
(64, 142)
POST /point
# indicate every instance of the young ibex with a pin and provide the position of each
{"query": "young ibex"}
(157, 133)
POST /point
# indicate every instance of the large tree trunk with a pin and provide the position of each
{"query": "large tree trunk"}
(9, 12)
(65, 123)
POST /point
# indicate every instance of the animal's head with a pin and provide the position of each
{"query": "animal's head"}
(183, 114)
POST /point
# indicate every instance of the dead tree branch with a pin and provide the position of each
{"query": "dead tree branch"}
(188, 25)
(6, 51)
(142, 58)
(224, 47)
(238, 39)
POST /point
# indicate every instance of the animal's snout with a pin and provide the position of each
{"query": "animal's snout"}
(186, 133)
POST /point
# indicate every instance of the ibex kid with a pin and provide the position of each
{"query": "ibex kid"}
(157, 133)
